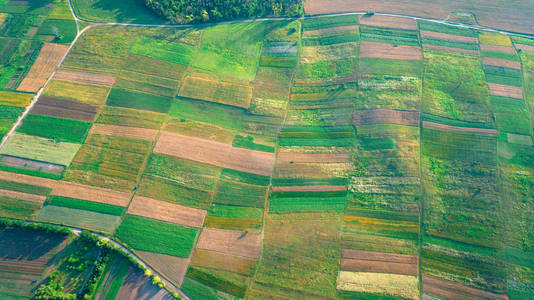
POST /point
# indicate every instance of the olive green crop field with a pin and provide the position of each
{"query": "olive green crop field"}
(340, 157)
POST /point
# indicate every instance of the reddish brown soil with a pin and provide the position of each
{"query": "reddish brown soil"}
(165, 211)
(63, 108)
(455, 291)
(525, 47)
(385, 116)
(388, 51)
(378, 262)
(490, 61)
(125, 131)
(230, 242)
(23, 196)
(99, 79)
(311, 188)
(444, 127)
(45, 64)
(172, 267)
(448, 37)
(90, 193)
(450, 49)
(493, 48)
(329, 30)
(388, 22)
(505, 91)
(285, 157)
(215, 153)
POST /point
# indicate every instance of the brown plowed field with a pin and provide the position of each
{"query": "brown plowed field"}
(505, 91)
(501, 63)
(444, 127)
(172, 267)
(388, 51)
(525, 47)
(448, 37)
(329, 30)
(64, 108)
(388, 22)
(99, 79)
(165, 211)
(385, 116)
(508, 15)
(47, 61)
(378, 262)
(494, 48)
(23, 163)
(230, 242)
(455, 291)
(215, 153)
(90, 193)
(450, 49)
(26, 179)
(137, 286)
(310, 188)
(285, 157)
(23, 196)
(125, 131)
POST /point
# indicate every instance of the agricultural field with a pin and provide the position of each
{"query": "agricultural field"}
(339, 157)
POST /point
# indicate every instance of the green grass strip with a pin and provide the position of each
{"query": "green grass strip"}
(132, 99)
(308, 204)
(24, 188)
(63, 130)
(86, 205)
(234, 175)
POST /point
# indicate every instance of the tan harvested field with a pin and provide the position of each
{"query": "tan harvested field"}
(494, 48)
(508, 15)
(388, 51)
(385, 116)
(286, 157)
(230, 242)
(330, 30)
(64, 108)
(215, 153)
(125, 131)
(168, 212)
(388, 22)
(523, 47)
(396, 285)
(45, 64)
(23, 196)
(310, 188)
(444, 127)
(222, 261)
(378, 262)
(70, 189)
(455, 291)
(312, 170)
(98, 79)
(172, 267)
(505, 91)
(490, 61)
(448, 37)
(450, 49)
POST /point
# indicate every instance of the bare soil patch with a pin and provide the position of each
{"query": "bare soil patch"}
(444, 127)
(389, 51)
(90, 193)
(505, 91)
(385, 116)
(29, 164)
(23, 196)
(230, 242)
(494, 48)
(64, 108)
(26, 179)
(172, 267)
(330, 30)
(215, 153)
(525, 47)
(451, 49)
(165, 211)
(455, 291)
(137, 286)
(284, 157)
(125, 131)
(378, 262)
(448, 37)
(45, 64)
(501, 63)
(99, 79)
(388, 22)
(310, 188)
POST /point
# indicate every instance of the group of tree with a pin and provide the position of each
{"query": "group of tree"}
(198, 11)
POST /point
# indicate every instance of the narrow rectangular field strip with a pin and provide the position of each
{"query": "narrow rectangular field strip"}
(450, 49)
(404, 286)
(378, 262)
(217, 91)
(448, 37)
(440, 126)
(215, 153)
(124, 131)
(83, 77)
(165, 211)
(388, 22)
(46, 63)
(310, 188)
(79, 218)
(527, 48)
(230, 242)
(385, 116)
(64, 108)
(452, 290)
(287, 157)
(23, 196)
(389, 51)
(90, 193)
(490, 61)
(505, 91)
(502, 49)
(330, 30)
